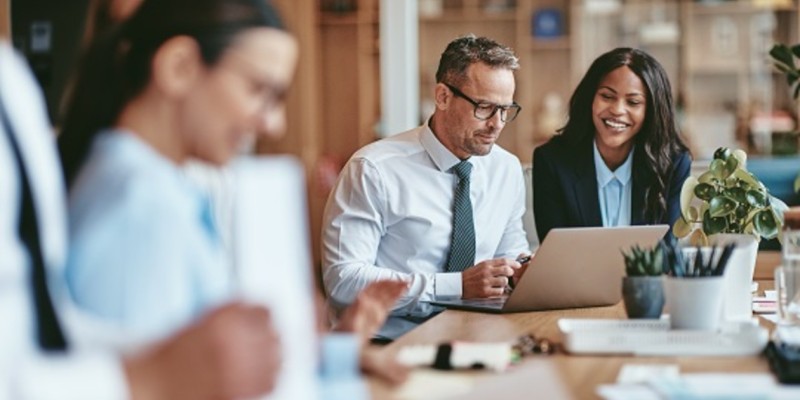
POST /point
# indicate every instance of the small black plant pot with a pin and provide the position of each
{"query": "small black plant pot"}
(643, 296)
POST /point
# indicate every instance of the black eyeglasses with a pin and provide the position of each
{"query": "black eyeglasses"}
(484, 111)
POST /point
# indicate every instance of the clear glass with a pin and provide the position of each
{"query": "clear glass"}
(787, 287)
(791, 239)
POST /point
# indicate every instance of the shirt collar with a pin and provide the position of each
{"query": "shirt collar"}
(605, 175)
(441, 156)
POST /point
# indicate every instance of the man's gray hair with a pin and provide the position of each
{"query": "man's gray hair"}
(468, 50)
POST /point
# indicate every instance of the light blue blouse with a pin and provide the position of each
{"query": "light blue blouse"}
(144, 252)
(614, 189)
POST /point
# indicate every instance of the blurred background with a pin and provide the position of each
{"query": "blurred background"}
(349, 88)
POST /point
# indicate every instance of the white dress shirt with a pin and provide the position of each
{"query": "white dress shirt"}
(26, 372)
(615, 202)
(390, 217)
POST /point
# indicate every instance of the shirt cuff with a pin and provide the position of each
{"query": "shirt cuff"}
(84, 376)
(447, 284)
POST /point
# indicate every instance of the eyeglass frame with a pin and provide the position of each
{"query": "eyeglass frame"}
(477, 104)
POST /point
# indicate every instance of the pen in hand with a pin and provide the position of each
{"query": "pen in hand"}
(521, 260)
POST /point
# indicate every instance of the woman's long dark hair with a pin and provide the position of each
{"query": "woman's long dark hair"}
(657, 143)
(116, 65)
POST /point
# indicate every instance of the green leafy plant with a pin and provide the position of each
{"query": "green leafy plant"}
(783, 57)
(644, 262)
(731, 200)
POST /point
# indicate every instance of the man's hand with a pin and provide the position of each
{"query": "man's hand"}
(488, 278)
(372, 305)
(232, 353)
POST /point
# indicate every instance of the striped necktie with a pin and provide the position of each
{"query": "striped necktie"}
(462, 243)
(50, 335)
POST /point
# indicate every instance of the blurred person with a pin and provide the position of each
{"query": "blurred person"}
(620, 159)
(440, 205)
(52, 351)
(131, 300)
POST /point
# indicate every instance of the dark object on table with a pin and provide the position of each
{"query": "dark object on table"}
(784, 361)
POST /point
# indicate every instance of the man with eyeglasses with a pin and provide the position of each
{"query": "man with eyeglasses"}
(439, 206)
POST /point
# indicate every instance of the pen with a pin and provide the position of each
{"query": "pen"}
(521, 260)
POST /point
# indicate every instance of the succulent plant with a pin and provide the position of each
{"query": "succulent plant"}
(731, 200)
(644, 262)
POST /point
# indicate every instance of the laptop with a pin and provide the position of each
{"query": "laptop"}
(573, 268)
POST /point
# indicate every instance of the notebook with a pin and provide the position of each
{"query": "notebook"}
(573, 268)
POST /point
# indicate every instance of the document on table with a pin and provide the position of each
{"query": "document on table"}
(660, 382)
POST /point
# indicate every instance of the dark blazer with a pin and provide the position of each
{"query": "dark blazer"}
(565, 187)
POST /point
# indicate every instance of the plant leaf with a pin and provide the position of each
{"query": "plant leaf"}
(706, 177)
(718, 168)
(721, 206)
(736, 193)
(722, 153)
(748, 178)
(782, 54)
(704, 191)
(741, 156)
(756, 198)
(681, 228)
(765, 224)
(687, 191)
(712, 225)
(778, 208)
(797, 184)
(694, 214)
(698, 238)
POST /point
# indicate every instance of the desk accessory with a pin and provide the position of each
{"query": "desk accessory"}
(494, 356)
(784, 361)
(694, 285)
(642, 290)
(655, 338)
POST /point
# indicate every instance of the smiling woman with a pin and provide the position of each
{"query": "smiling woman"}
(620, 159)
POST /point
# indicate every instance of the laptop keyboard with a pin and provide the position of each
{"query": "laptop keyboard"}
(490, 302)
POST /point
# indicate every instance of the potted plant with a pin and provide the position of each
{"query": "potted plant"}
(642, 291)
(729, 204)
(694, 285)
(731, 200)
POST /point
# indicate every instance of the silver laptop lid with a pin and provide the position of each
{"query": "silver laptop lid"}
(579, 267)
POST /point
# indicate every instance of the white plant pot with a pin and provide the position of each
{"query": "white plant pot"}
(694, 303)
(737, 298)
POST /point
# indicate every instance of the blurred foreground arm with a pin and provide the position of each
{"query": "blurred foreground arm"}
(232, 353)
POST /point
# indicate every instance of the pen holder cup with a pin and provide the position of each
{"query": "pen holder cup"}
(694, 303)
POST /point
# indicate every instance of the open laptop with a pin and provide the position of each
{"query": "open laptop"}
(574, 267)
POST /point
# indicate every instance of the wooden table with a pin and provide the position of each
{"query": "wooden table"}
(575, 376)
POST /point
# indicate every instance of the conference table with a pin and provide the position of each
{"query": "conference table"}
(560, 375)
